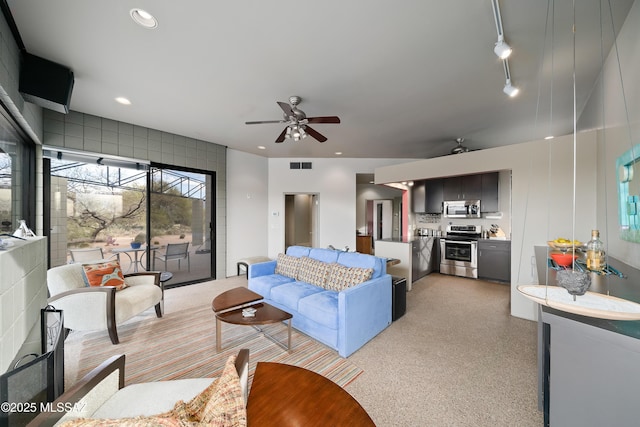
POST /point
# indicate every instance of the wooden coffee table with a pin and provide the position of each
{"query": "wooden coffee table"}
(228, 308)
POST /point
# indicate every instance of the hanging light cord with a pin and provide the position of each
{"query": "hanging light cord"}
(575, 130)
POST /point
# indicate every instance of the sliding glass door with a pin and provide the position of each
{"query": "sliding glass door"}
(149, 218)
(180, 221)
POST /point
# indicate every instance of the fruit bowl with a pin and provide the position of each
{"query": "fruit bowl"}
(564, 245)
(563, 259)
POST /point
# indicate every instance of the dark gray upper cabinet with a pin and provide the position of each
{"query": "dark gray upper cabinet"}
(428, 195)
(418, 196)
(434, 196)
(489, 198)
(465, 187)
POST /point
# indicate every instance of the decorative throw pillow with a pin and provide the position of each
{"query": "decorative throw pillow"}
(219, 405)
(313, 271)
(106, 273)
(287, 265)
(341, 277)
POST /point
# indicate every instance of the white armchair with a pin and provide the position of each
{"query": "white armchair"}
(102, 307)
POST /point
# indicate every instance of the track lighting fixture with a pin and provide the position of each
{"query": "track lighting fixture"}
(509, 89)
(502, 49)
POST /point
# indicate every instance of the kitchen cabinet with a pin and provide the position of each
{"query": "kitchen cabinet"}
(489, 198)
(465, 187)
(494, 260)
(426, 196)
(421, 257)
(364, 244)
(433, 196)
(418, 196)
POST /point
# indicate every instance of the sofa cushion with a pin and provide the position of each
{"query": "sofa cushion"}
(289, 294)
(108, 273)
(313, 271)
(287, 265)
(321, 307)
(355, 259)
(341, 277)
(264, 284)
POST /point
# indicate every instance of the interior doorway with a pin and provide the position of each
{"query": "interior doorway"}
(301, 219)
(381, 214)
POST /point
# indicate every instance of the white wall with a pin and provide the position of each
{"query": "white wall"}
(621, 125)
(247, 201)
(334, 180)
(542, 194)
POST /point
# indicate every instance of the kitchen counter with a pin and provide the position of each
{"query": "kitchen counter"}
(588, 367)
(402, 249)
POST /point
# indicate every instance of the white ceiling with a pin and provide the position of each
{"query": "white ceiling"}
(406, 78)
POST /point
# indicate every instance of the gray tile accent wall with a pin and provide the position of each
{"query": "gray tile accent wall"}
(85, 132)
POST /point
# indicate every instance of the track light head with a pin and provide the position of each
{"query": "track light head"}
(510, 90)
(502, 49)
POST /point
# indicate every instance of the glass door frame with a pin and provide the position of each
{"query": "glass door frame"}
(212, 225)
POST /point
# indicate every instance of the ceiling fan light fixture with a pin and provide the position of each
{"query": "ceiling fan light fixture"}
(143, 18)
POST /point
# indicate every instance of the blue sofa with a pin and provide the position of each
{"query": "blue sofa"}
(344, 320)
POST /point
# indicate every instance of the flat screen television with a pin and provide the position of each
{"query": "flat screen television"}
(36, 378)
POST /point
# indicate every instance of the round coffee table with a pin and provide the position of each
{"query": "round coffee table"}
(228, 308)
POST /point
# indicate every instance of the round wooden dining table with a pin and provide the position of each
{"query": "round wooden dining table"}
(285, 395)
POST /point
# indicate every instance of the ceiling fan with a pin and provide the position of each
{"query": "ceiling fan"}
(459, 149)
(297, 122)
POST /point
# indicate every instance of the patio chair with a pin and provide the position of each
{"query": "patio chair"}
(177, 251)
(90, 255)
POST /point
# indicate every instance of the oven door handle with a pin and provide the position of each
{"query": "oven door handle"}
(464, 242)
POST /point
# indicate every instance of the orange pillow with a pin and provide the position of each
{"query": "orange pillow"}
(106, 273)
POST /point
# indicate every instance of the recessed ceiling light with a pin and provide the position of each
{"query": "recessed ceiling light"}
(338, 153)
(548, 137)
(143, 18)
(261, 147)
(122, 100)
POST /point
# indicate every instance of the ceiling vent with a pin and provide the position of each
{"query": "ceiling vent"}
(300, 165)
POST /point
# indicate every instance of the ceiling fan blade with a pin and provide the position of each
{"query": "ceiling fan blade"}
(264, 121)
(314, 133)
(280, 137)
(326, 119)
(286, 108)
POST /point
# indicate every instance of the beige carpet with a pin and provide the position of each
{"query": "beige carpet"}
(182, 345)
(456, 358)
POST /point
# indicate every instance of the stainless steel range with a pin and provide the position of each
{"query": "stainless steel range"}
(459, 250)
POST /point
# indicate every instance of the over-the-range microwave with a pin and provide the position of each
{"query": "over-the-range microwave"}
(461, 209)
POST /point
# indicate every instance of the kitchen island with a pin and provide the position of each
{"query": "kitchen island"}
(416, 254)
(588, 368)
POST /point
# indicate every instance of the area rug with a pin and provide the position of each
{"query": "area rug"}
(182, 345)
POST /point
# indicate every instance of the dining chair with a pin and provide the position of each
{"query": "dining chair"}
(90, 254)
(177, 251)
